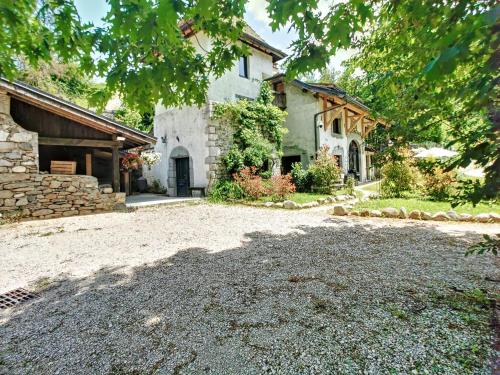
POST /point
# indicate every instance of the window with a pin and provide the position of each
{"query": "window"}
(336, 126)
(243, 65)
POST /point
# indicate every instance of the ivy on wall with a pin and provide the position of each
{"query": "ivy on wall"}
(258, 130)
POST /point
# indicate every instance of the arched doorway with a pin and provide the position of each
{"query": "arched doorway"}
(180, 172)
(354, 167)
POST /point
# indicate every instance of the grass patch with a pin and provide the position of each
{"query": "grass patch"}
(425, 205)
(301, 198)
(372, 187)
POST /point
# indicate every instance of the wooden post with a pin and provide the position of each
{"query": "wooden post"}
(88, 164)
(116, 169)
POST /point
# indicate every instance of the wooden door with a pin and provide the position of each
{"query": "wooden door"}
(182, 176)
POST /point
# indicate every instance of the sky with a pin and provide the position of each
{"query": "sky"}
(256, 16)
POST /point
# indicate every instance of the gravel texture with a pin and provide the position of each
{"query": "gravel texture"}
(208, 289)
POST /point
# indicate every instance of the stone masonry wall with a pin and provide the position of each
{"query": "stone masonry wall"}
(49, 195)
(24, 192)
(220, 140)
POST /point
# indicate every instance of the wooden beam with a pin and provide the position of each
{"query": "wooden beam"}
(88, 164)
(116, 169)
(77, 142)
(355, 120)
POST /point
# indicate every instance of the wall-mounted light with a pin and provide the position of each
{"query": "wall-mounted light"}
(121, 139)
(320, 123)
(164, 139)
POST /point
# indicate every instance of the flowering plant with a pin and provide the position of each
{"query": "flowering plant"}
(129, 161)
(150, 158)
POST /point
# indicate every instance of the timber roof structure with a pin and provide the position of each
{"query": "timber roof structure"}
(83, 116)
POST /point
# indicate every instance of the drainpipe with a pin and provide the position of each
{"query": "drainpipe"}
(316, 126)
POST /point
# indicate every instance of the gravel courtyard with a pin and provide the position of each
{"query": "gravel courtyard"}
(209, 289)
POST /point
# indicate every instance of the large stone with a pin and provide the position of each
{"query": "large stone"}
(466, 217)
(11, 177)
(425, 215)
(290, 204)
(342, 197)
(495, 217)
(3, 136)
(403, 214)
(5, 163)
(7, 146)
(415, 215)
(339, 210)
(21, 137)
(55, 184)
(483, 218)
(364, 213)
(453, 215)
(390, 212)
(71, 189)
(6, 194)
(42, 212)
(268, 204)
(375, 213)
(9, 202)
(19, 169)
(310, 204)
(440, 216)
(22, 202)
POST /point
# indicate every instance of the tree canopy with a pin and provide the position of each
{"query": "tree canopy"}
(425, 66)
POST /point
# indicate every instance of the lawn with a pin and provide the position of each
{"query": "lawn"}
(372, 187)
(301, 198)
(425, 205)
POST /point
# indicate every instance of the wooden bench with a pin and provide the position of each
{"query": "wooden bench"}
(194, 188)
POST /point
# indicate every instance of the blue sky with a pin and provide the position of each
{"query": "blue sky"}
(94, 10)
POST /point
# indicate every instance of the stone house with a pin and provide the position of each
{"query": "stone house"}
(190, 143)
(323, 114)
(38, 130)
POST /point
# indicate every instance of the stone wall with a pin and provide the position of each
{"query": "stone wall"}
(220, 140)
(49, 195)
(24, 192)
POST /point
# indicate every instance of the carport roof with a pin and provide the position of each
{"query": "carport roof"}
(83, 116)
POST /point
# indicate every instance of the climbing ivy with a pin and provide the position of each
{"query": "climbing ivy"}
(258, 130)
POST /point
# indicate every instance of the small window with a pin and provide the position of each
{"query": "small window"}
(336, 126)
(243, 65)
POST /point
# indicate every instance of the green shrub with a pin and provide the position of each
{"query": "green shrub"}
(399, 177)
(350, 184)
(438, 184)
(226, 190)
(325, 172)
(301, 178)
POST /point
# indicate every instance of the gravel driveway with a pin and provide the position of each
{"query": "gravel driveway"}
(207, 289)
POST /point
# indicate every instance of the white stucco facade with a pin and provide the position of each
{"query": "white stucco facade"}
(187, 131)
(300, 140)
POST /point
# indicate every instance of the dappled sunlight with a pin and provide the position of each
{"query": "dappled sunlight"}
(316, 296)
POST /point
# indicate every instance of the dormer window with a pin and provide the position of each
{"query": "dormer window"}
(243, 65)
(336, 126)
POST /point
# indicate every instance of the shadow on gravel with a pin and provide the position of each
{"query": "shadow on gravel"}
(338, 299)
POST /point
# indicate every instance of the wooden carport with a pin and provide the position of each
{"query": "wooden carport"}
(68, 130)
